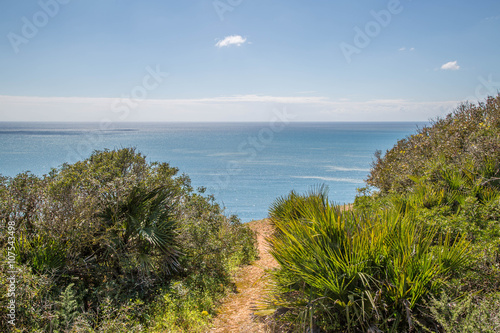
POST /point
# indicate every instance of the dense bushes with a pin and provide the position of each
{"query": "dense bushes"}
(130, 242)
(468, 137)
(420, 248)
(346, 270)
(448, 174)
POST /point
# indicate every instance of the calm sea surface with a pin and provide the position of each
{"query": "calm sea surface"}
(245, 165)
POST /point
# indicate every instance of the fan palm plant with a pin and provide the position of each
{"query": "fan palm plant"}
(142, 230)
(353, 269)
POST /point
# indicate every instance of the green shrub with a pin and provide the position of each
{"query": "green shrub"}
(433, 225)
(447, 178)
(116, 229)
(467, 315)
(468, 137)
(348, 270)
(41, 253)
(67, 310)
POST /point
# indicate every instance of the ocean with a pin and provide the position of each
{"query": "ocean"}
(245, 165)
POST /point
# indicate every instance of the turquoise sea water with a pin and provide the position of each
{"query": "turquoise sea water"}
(245, 165)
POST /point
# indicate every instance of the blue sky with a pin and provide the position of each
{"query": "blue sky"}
(238, 60)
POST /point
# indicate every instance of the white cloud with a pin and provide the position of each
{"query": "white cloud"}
(231, 40)
(224, 108)
(332, 179)
(450, 66)
(334, 168)
(402, 49)
(412, 49)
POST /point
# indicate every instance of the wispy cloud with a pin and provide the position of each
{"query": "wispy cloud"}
(402, 49)
(306, 92)
(450, 66)
(255, 99)
(231, 40)
(332, 179)
(492, 18)
(334, 168)
(223, 108)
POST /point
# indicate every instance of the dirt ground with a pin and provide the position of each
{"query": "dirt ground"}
(237, 312)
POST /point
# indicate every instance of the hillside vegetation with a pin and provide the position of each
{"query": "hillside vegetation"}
(115, 244)
(418, 252)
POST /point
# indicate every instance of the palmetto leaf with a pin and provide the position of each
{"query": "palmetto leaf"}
(356, 263)
(144, 225)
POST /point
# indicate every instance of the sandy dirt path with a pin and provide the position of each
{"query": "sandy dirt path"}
(237, 312)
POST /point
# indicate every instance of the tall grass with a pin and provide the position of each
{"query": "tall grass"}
(347, 270)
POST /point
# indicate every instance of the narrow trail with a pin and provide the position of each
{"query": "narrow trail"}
(237, 312)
